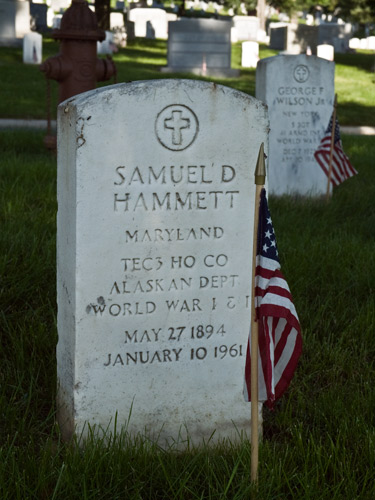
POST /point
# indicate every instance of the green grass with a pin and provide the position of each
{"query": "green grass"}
(142, 59)
(356, 99)
(319, 443)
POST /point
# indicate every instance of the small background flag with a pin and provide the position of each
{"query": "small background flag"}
(342, 169)
(280, 342)
(35, 55)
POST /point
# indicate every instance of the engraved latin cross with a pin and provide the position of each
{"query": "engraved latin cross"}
(301, 73)
(176, 123)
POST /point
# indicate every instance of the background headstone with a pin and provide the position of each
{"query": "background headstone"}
(14, 21)
(56, 21)
(129, 29)
(295, 38)
(326, 51)
(171, 16)
(354, 43)
(247, 27)
(250, 54)
(233, 35)
(278, 36)
(154, 243)
(200, 46)
(38, 13)
(340, 44)
(299, 92)
(157, 19)
(116, 20)
(107, 45)
(300, 37)
(60, 6)
(327, 32)
(32, 48)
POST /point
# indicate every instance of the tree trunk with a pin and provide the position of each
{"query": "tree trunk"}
(181, 9)
(261, 14)
(102, 11)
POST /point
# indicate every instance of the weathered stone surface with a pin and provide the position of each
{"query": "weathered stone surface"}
(299, 92)
(155, 224)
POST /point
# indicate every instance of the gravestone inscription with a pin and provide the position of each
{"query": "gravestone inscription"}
(299, 92)
(155, 220)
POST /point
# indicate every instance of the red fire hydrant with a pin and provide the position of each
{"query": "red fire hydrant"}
(76, 67)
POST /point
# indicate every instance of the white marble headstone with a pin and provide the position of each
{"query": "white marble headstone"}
(354, 43)
(155, 224)
(151, 23)
(299, 92)
(107, 45)
(250, 54)
(200, 46)
(32, 48)
(247, 27)
(326, 51)
(116, 20)
(60, 5)
(14, 20)
(233, 35)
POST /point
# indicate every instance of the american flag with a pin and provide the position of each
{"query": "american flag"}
(280, 343)
(342, 169)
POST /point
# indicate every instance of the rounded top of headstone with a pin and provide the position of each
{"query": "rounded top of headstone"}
(79, 23)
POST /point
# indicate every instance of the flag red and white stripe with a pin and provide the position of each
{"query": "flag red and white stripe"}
(342, 169)
(280, 343)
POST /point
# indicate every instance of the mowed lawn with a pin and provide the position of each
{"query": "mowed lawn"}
(142, 60)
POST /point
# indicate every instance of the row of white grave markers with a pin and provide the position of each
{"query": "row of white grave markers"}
(362, 43)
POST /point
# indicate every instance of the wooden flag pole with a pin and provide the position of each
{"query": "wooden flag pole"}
(260, 177)
(332, 145)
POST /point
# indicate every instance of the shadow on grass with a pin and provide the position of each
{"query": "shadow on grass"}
(359, 60)
(137, 71)
(350, 111)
